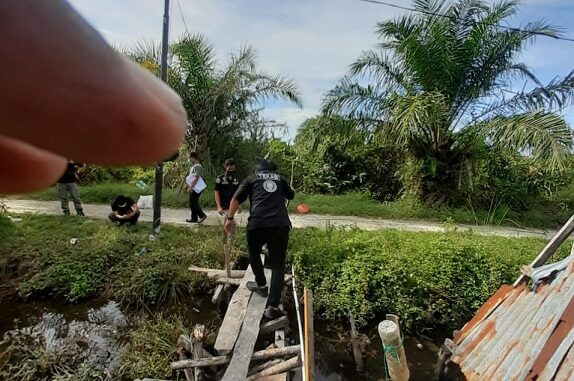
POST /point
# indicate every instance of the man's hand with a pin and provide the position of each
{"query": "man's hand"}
(82, 103)
(228, 226)
(220, 210)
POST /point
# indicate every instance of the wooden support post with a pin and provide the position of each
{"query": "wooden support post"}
(357, 355)
(263, 355)
(309, 336)
(550, 248)
(227, 251)
(390, 333)
(197, 348)
(189, 374)
(283, 367)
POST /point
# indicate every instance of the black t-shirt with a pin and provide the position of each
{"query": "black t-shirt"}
(226, 186)
(267, 192)
(123, 205)
(70, 175)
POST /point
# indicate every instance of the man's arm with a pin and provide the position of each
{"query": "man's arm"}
(217, 197)
(288, 191)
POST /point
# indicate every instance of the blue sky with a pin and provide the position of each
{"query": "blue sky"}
(311, 41)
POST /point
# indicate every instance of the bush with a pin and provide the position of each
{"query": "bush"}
(427, 279)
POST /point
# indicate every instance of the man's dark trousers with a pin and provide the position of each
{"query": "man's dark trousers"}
(196, 211)
(276, 239)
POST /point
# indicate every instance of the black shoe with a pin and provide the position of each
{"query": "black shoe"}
(272, 313)
(191, 221)
(201, 219)
(254, 287)
(80, 213)
(66, 212)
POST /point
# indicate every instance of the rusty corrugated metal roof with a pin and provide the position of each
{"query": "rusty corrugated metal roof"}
(521, 335)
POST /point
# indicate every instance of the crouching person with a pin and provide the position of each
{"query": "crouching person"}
(124, 211)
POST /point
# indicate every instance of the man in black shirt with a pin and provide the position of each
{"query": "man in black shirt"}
(269, 224)
(225, 187)
(67, 185)
(124, 211)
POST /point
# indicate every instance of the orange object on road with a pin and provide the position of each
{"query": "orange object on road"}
(302, 209)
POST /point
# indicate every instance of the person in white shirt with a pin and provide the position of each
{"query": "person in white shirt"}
(195, 173)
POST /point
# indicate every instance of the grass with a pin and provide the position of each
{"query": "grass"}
(548, 214)
(413, 274)
(38, 255)
(542, 215)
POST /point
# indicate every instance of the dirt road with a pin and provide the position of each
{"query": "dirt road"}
(178, 216)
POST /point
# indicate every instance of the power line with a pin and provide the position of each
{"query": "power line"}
(454, 18)
(182, 17)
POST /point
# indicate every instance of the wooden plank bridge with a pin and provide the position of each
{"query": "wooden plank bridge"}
(235, 358)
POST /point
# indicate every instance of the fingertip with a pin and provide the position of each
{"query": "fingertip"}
(24, 168)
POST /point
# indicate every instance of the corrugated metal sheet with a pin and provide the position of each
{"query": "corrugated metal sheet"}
(506, 337)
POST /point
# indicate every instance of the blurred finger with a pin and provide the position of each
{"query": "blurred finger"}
(24, 168)
(68, 92)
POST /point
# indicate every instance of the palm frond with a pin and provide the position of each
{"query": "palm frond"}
(545, 136)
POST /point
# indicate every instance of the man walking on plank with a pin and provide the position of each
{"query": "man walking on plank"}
(268, 223)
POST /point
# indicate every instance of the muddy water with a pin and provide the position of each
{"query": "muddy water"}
(334, 360)
(102, 324)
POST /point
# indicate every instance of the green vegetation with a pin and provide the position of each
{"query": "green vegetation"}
(151, 347)
(120, 262)
(428, 279)
(437, 87)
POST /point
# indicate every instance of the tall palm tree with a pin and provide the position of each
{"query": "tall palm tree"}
(441, 83)
(219, 100)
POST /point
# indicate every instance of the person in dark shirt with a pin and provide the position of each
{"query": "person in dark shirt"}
(225, 187)
(67, 185)
(268, 223)
(124, 211)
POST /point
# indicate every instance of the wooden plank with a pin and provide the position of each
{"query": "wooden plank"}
(274, 325)
(550, 248)
(265, 354)
(231, 326)
(309, 336)
(217, 294)
(239, 365)
(265, 365)
(282, 367)
(212, 273)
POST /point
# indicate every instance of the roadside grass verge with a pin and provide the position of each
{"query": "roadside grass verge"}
(549, 214)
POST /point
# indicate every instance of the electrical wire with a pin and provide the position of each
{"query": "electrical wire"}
(454, 18)
(182, 17)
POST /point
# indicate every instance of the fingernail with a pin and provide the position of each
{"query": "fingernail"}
(166, 95)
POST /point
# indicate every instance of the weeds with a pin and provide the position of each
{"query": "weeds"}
(428, 279)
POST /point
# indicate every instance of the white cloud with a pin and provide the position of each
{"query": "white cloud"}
(313, 42)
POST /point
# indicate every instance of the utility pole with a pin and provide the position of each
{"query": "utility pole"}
(159, 165)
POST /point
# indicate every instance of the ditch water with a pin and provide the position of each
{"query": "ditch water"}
(98, 328)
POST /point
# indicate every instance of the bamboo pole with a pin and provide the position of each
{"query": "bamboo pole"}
(396, 360)
(265, 354)
(309, 336)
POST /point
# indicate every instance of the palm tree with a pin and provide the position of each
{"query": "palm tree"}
(219, 101)
(441, 83)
